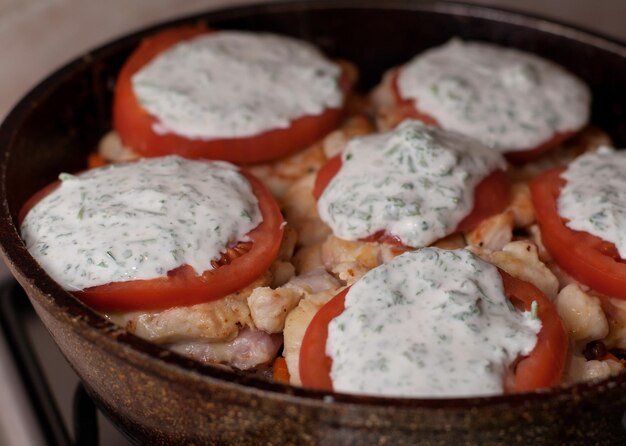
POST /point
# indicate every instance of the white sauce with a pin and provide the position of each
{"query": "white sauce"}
(431, 323)
(231, 84)
(139, 220)
(415, 182)
(506, 98)
(594, 196)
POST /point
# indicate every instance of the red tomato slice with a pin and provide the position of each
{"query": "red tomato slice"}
(543, 367)
(587, 258)
(239, 267)
(135, 125)
(545, 364)
(491, 196)
(314, 365)
(408, 109)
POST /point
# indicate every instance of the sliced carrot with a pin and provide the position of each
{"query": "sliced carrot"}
(280, 372)
(96, 160)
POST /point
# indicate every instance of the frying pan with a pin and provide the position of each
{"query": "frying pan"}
(157, 397)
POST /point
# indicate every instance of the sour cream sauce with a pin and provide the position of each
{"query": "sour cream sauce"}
(139, 220)
(231, 84)
(594, 196)
(506, 98)
(415, 182)
(431, 323)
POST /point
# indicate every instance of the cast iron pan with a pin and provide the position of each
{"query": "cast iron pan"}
(157, 397)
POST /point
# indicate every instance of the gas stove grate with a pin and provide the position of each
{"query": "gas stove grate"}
(15, 308)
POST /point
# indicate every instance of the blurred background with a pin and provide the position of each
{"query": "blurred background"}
(37, 36)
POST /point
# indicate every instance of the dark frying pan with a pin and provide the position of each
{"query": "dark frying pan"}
(157, 397)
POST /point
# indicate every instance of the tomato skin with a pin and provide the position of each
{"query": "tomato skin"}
(408, 108)
(325, 175)
(545, 364)
(491, 196)
(314, 364)
(587, 258)
(182, 286)
(543, 367)
(135, 125)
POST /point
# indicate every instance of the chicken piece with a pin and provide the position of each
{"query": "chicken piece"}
(452, 241)
(581, 370)
(112, 149)
(336, 251)
(520, 260)
(249, 349)
(521, 205)
(295, 326)
(587, 140)
(219, 320)
(281, 272)
(269, 308)
(581, 314)
(349, 260)
(336, 141)
(280, 175)
(535, 236)
(615, 309)
(388, 115)
(300, 209)
(282, 269)
(350, 272)
(315, 281)
(308, 258)
(492, 233)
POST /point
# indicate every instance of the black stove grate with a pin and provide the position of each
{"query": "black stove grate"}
(15, 309)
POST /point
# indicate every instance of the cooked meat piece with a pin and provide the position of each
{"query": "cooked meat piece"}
(215, 321)
(295, 326)
(249, 349)
(300, 209)
(492, 233)
(582, 314)
(520, 260)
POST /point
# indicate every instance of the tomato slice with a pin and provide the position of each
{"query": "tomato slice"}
(135, 125)
(314, 365)
(491, 196)
(239, 267)
(587, 258)
(408, 108)
(545, 364)
(543, 367)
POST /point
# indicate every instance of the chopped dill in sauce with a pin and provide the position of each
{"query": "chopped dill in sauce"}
(594, 196)
(431, 322)
(236, 84)
(508, 99)
(139, 220)
(415, 182)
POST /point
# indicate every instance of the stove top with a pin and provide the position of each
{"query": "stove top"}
(52, 406)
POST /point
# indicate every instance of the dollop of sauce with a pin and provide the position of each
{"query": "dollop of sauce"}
(508, 99)
(431, 323)
(415, 182)
(139, 220)
(230, 84)
(594, 196)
